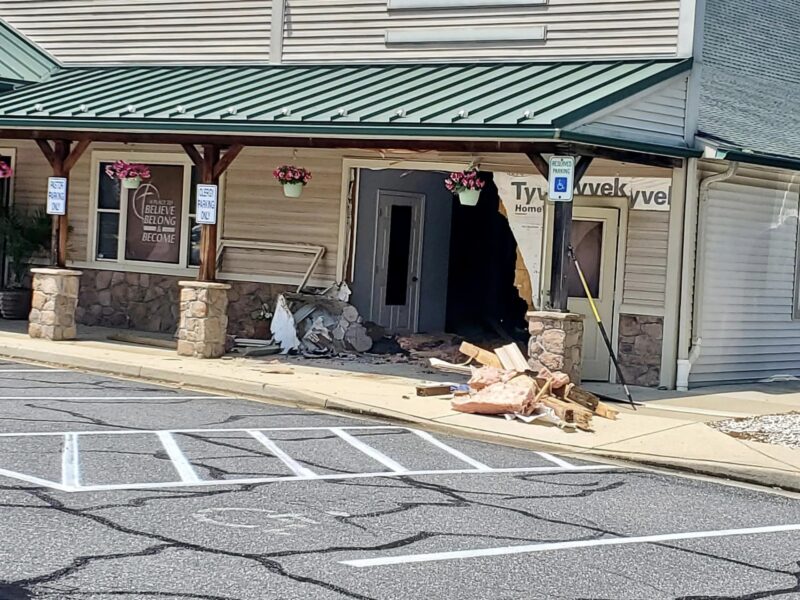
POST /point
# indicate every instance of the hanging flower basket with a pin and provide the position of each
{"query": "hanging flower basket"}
(130, 174)
(293, 179)
(5, 171)
(467, 184)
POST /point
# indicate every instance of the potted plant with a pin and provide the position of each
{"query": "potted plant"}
(292, 179)
(130, 174)
(467, 184)
(24, 234)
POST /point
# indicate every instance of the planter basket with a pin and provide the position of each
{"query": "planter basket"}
(15, 304)
(292, 190)
(469, 197)
(131, 183)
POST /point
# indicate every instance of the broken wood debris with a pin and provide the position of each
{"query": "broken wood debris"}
(505, 385)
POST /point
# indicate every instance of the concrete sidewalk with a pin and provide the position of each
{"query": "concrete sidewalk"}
(669, 432)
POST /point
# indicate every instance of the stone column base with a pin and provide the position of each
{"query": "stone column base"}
(203, 319)
(55, 298)
(556, 342)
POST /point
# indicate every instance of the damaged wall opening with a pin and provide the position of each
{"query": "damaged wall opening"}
(426, 264)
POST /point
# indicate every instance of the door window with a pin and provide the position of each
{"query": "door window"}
(399, 253)
(587, 242)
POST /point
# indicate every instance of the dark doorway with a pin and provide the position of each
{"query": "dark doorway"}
(482, 298)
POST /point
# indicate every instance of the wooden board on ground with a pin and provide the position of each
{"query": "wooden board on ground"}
(434, 389)
(442, 365)
(511, 358)
(486, 358)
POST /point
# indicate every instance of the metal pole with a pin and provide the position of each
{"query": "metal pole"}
(601, 326)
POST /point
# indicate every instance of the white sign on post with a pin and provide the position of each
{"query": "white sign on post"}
(56, 195)
(206, 204)
(562, 178)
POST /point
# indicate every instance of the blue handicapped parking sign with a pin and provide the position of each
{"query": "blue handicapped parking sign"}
(560, 184)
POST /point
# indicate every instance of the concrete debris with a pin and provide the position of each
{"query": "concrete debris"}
(322, 324)
(546, 396)
(422, 346)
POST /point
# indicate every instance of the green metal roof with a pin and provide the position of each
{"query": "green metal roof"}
(20, 59)
(509, 100)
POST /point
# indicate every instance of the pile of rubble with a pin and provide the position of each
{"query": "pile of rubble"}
(504, 385)
(318, 324)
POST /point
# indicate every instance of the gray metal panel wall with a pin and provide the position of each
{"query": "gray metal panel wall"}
(746, 277)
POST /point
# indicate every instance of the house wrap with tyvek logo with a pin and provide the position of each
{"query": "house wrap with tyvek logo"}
(643, 193)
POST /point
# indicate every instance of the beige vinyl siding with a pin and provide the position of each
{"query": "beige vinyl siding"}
(645, 283)
(145, 31)
(349, 30)
(659, 117)
(745, 286)
(256, 209)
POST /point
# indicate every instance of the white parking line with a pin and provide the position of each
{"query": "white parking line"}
(181, 463)
(70, 467)
(457, 453)
(379, 474)
(107, 397)
(369, 450)
(614, 541)
(295, 466)
(555, 460)
(34, 371)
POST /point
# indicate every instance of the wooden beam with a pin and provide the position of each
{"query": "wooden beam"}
(208, 233)
(193, 154)
(75, 155)
(226, 160)
(583, 165)
(48, 151)
(540, 163)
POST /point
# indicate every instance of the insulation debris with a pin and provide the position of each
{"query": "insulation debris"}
(512, 390)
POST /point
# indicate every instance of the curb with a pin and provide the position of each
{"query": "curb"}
(271, 394)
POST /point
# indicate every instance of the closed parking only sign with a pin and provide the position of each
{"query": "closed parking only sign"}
(206, 204)
(562, 178)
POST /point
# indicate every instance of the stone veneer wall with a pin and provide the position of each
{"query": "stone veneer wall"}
(152, 302)
(556, 342)
(640, 344)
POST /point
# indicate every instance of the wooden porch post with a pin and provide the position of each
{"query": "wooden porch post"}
(211, 165)
(61, 160)
(562, 233)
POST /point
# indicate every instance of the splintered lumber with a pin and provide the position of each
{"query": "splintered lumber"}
(604, 410)
(484, 357)
(578, 395)
(512, 358)
(569, 412)
(442, 365)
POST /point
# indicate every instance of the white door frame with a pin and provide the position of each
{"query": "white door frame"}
(622, 236)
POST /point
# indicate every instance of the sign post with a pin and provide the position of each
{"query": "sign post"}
(206, 204)
(561, 182)
(56, 196)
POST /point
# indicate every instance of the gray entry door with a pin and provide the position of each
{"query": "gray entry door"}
(397, 259)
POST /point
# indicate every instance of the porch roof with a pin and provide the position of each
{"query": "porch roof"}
(517, 101)
(21, 60)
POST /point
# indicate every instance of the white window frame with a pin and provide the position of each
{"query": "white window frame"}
(138, 266)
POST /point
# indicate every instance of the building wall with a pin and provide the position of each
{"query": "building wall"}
(355, 30)
(745, 284)
(659, 117)
(640, 347)
(645, 283)
(147, 302)
(101, 31)
(219, 31)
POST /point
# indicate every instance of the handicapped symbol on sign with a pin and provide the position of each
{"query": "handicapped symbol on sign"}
(561, 184)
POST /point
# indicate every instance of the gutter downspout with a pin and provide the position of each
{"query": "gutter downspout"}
(692, 274)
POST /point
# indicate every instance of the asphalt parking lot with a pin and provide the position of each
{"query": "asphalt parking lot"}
(118, 489)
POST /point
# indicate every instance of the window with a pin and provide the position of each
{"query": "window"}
(153, 224)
